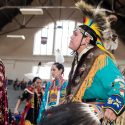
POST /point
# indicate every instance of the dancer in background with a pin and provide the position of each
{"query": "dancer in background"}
(33, 95)
(3, 97)
(55, 90)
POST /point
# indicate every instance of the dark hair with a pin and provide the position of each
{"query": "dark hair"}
(59, 66)
(35, 78)
(91, 32)
(73, 113)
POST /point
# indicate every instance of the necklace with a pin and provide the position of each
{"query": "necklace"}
(57, 83)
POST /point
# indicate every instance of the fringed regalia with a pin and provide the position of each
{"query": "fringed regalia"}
(3, 97)
(54, 95)
(96, 78)
(33, 101)
(89, 84)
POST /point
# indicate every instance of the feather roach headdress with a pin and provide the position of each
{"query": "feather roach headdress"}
(95, 23)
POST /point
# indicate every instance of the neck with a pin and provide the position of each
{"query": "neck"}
(59, 77)
(84, 48)
(81, 49)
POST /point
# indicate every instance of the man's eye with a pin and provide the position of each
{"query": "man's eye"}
(87, 34)
(75, 34)
(53, 70)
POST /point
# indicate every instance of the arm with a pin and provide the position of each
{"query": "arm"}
(21, 98)
(113, 82)
(17, 106)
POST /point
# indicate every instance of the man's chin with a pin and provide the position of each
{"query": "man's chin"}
(70, 47)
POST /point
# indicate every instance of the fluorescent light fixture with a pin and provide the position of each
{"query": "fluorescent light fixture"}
(16, 36)
(31, 11)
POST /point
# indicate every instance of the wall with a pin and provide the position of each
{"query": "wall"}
(16, 67)
(17, 54)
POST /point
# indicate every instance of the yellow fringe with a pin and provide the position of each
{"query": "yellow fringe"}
(27, 122)
(110, 54)
(99, 63)
(119, 121)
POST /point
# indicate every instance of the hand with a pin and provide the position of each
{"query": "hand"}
(1, 84)
(110, 115)
(16, 111)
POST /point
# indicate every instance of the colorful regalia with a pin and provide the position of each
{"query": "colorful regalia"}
(100, 83)
(54, 95)
(3, 97)
(95, 77)
(33, 101)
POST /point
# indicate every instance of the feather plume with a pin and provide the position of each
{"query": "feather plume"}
(97, 15)
(97, 21)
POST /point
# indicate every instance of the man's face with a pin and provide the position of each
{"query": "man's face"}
(75, 39)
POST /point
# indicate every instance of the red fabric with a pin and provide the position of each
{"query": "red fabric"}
(30, 88)
(22, 120)
(3, 97)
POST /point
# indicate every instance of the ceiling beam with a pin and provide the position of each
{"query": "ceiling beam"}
(38, 7)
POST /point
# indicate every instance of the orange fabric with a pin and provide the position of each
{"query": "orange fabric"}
(99, 63)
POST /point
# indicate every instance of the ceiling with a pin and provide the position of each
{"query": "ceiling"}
(9, 9)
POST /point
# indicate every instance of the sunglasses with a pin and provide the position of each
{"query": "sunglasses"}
(86, 34)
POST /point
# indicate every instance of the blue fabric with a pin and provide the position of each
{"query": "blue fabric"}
(116, 103)
(44, 101)
(107, 81)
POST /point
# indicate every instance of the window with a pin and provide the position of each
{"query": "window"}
(44, 49)
(58, 37)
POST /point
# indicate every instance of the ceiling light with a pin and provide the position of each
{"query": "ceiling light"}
(31, 11)
(16, 36)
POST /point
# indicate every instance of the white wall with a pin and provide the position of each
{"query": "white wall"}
(16, 67)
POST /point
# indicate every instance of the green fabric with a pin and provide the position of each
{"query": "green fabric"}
(102, 86)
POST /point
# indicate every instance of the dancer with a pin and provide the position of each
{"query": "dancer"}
(33, 95)
(55, 90)
(3, 97)
(94, 76)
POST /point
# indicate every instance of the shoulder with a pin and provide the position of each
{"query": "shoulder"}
(65, 83)
(107, 60)
(48, 84)
(29, 89)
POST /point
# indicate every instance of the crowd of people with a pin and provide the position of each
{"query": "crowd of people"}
(20, 84)
(95, 91)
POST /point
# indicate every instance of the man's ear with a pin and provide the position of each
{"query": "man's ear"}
(87, 39)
